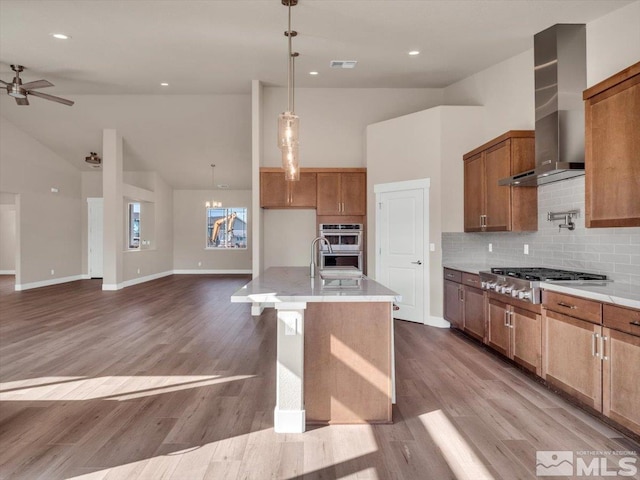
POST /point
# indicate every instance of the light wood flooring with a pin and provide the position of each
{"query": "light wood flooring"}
(169, 380)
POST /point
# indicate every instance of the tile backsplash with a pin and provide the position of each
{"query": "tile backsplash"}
(611, 251)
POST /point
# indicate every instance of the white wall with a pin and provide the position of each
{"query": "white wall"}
(48, 224)
(613, 43)
(91, 187)
(427, 144)
(7, 236)
(506, 89)
(333, 124)
(190, 232)
(156, 225)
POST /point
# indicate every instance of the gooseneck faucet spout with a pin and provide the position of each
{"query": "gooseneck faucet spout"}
(313, 266)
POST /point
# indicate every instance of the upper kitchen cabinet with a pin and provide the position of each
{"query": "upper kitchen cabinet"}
(342, 193)
(489, 207)
(276, 192)
(612, 151)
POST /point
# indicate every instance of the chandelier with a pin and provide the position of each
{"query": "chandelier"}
(289, 122)
(213, 203)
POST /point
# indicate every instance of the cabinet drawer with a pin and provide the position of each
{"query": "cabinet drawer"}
(623, 319)
(471, 279)
(452, 275)
(573, 306)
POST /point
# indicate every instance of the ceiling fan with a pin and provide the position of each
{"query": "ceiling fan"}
(20, 91)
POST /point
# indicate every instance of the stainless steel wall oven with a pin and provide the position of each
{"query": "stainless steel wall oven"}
(346, 244)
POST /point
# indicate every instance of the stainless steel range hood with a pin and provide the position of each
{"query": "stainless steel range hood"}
(560, 77)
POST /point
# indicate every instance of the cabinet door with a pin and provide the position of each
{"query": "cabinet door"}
(474, 312)
(453, 303)
(473, 193)
(526, 339)
(620, 385)
(274, 191)
(612, 166)
(498, 198)
(498, 331)
(353, 190)
(303, 192)
(328, 198)
(571, 363)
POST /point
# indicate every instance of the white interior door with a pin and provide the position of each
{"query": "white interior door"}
(95, 245)
(402, 234)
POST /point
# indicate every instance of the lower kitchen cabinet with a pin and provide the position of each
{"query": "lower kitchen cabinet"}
(464, 305)
(473, 305)
(620, 384)
(570, 357)
(498, 326)
(453, 303)
(516, 333)
(596, 364)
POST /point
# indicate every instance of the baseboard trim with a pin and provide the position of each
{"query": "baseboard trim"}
(46, 283)
(7, 272)
(86, 276)
(213, 272)
(437, 322)
(135, 281)
(289, 421)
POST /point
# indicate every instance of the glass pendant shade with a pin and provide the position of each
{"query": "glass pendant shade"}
(213, 203)
(288, 124)
(290, 163)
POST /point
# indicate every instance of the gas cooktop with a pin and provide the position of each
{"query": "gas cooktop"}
(543, 274)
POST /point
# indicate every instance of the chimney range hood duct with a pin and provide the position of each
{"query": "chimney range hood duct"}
(560, 78)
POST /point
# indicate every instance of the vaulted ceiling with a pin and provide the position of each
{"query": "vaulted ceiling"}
(120, 52)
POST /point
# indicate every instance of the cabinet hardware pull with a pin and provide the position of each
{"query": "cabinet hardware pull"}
(506, 318)
(511, 319)
(594, 344)
(603, 339)
(460, 294)
(635, 323)
(566, 305)
(450, 275)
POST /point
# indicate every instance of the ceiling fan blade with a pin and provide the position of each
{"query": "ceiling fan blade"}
(22, 101)
(4, 83)
(37, 84)
(52, 98)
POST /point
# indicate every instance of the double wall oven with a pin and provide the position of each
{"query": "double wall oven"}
(346, 240)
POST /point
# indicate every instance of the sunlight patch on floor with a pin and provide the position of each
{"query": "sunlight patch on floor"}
(460, 457)
(108, 387)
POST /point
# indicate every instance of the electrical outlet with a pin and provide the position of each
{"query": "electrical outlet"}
(199, 264)
(526, 249)
(432, 247)
(53, 272)
(138, 271)
(491, 247)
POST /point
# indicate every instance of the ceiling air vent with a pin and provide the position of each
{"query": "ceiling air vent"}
(343, 63)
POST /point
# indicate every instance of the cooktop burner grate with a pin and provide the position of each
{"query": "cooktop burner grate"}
(542, 274)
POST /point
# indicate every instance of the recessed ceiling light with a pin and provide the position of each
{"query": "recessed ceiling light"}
(164, 84)
(60, 36)
(413, 53)
(313, 73)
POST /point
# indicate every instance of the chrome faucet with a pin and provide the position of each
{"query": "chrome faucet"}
(314, 257)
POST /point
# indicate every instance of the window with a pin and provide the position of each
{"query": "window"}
(134, 225)
(226, 228)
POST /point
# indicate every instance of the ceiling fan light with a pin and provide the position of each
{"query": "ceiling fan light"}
(15, 93)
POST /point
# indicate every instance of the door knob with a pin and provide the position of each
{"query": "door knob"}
(417, 263)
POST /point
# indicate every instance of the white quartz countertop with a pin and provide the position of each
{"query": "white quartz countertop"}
(293, 284)
(622, 294)
(468, 267)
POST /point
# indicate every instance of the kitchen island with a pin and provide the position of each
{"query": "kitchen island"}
(335, 347)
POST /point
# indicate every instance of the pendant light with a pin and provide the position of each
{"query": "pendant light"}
(213, 203)
(289, 122)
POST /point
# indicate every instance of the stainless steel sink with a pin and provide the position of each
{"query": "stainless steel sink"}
(341, 277)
